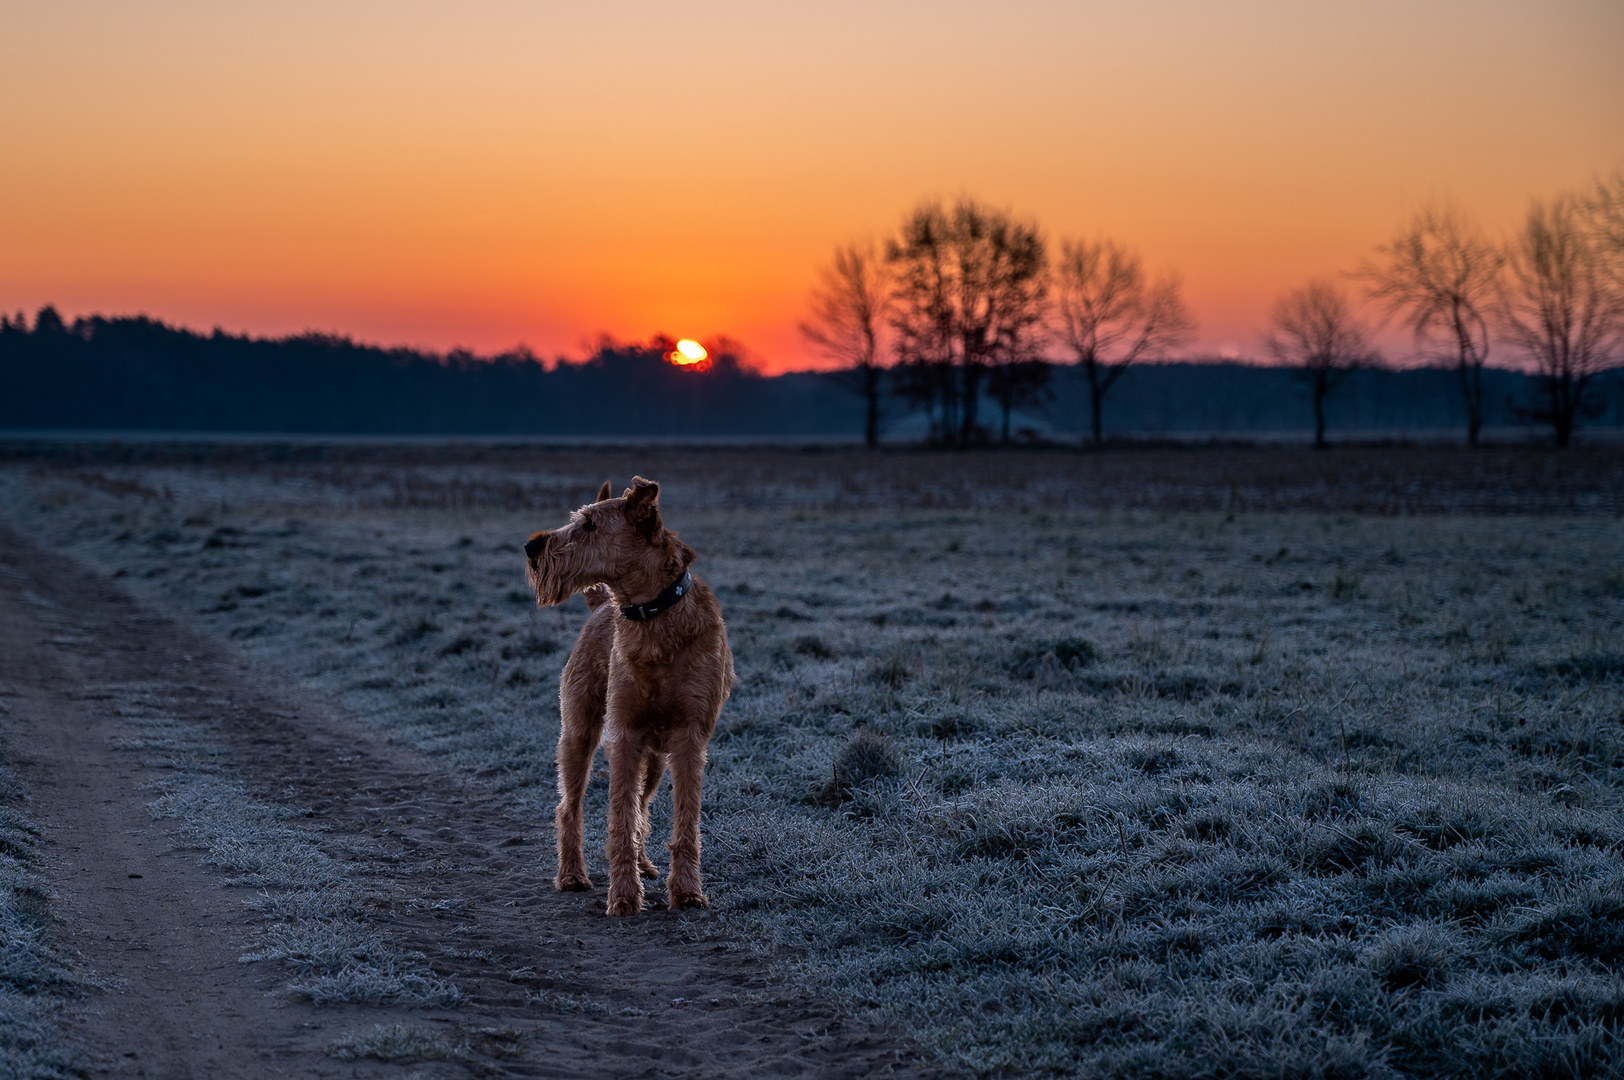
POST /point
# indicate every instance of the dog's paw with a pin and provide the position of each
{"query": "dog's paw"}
(680, 900)
(647, 869)
(625, 905)
(572, 882)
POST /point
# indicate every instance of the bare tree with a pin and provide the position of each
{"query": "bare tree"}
(1442, 276)
(1605, 207)
(849, 306)
(1017, 384)
(1111, 314)
(931, 386)
(1563, 305)
(970, 288)
(1315, 330)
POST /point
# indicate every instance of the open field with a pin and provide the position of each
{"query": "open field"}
(227, 876)
(1141, 765)
(377, 475)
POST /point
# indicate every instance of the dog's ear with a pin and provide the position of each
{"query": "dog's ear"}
(604, 492)
(678, 556)
(643, 505)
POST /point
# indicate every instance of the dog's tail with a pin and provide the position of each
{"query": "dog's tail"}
(596, 595)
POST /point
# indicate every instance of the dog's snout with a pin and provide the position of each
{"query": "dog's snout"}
(535, 545)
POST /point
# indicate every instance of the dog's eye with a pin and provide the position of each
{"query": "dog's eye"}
(588, 525)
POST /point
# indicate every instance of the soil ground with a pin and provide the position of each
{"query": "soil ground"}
(159, 938)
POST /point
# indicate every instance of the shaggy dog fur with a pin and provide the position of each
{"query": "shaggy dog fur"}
(651, 690)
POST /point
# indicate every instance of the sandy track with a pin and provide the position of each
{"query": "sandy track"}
(461, 879)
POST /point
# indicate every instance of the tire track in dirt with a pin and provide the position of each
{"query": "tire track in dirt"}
(552, 987)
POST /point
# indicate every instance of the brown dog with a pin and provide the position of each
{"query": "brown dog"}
(649, 674)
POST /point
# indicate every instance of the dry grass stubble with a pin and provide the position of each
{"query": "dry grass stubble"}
(315, 906)
(1079, 793)
(34, 977)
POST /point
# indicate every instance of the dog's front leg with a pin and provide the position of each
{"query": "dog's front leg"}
(687, 775)
(626, 766)
(653, 769)
(577, 743)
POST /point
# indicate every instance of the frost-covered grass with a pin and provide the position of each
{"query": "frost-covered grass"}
(1057, 791)
(400, 1042)
(34, 980)
(315, 907)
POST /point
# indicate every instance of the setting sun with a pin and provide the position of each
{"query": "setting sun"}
(688, 352)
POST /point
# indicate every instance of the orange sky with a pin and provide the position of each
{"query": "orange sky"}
(490, 173)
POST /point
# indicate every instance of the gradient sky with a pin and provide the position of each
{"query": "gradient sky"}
(488, 173)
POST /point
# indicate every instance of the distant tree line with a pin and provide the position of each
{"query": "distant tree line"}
(138, 373)
(963, 302)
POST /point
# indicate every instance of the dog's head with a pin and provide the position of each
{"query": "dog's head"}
(622, 542)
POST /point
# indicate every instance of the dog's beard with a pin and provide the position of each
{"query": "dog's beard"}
(556, 575)
(544, 580)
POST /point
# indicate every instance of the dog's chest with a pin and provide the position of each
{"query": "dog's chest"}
(650, 713)
(657, 688)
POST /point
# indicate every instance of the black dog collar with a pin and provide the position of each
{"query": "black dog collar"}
(667, 599)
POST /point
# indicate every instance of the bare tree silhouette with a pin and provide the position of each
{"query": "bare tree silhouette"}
(1442, 275)
(1018, 384)
(1563, 305)
(931, 386)
(1315, 330)
(1605, 205)
(1111, 314)
(970, 288)
(849, 306)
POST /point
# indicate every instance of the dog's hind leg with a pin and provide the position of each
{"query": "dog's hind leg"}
(652, 772)
(582, 715)
(628, 763)
(682, 886)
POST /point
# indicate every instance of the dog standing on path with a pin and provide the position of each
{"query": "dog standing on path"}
(648, 676)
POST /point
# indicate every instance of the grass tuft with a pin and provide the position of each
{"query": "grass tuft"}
(400, 1042)
(1589, 926)
(867, 756)
(1068, 654)
(1412, 956)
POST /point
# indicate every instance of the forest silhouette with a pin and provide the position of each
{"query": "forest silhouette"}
(140, 374)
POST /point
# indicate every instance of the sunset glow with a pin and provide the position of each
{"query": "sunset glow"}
(492, 174)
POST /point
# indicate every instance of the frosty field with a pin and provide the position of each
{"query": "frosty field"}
(1043, 787)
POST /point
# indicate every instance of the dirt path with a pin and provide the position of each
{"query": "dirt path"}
(552, 988)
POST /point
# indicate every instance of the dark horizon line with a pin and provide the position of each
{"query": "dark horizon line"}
(606, 342)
